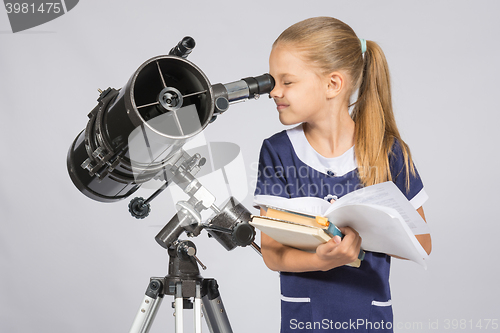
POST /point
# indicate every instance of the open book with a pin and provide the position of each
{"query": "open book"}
(381, 214)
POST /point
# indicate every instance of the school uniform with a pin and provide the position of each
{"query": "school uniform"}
(345, 299)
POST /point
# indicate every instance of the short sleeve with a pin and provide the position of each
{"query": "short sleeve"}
(270, 176)
(415, 192)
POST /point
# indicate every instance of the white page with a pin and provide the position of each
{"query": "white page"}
(386, 194)
(382, 230)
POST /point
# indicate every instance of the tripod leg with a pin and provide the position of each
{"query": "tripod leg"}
(149, 307)
(197, 309)
(179, 308)
(213, 309)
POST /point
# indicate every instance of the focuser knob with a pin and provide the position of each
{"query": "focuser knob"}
(138, 208)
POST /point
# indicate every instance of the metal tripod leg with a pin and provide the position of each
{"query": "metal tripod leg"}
(149, 307)
(197, 309)
(184, 282)
(213, 309)
(179, 307)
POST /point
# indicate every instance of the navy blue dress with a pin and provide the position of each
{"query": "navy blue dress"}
(344, 299)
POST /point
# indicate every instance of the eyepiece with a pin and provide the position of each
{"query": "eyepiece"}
(183, 48)
(259, 85)
(247, 88)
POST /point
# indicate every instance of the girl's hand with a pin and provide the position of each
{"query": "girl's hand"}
(337, 252)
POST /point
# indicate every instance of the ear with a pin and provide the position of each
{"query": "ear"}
(335, 84)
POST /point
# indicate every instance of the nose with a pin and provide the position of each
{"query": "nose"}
(277, 92)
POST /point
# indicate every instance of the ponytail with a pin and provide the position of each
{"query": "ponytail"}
(375, 125)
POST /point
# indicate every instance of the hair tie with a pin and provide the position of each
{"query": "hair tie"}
(363, 45)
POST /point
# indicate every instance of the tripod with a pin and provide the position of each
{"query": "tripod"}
(183, 282)
(230, 227)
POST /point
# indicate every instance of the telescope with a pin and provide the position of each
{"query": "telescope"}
(168, 96)
(136, 134)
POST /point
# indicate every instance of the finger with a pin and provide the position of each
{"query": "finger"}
(344, 230)
(357, 247)
(333, 243)
(348, 230)
(360, 241)
(350, 235)
(352, 241)
(329, 246)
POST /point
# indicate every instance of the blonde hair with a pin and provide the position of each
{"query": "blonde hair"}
(331, 45)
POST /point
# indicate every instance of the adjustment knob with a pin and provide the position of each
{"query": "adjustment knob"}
(243, 234)
(138, 208)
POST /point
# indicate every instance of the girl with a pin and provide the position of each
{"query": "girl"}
(318, 64)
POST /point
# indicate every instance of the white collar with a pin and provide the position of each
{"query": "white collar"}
(339, 165)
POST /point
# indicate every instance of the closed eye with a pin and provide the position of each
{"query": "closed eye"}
(287, 83)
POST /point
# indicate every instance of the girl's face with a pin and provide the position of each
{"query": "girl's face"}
(300, 91)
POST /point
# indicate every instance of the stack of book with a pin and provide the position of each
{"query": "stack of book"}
(381, 214)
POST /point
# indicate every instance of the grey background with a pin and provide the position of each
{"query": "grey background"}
(69, 264)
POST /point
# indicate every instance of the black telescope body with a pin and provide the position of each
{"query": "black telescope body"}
(162, 89)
